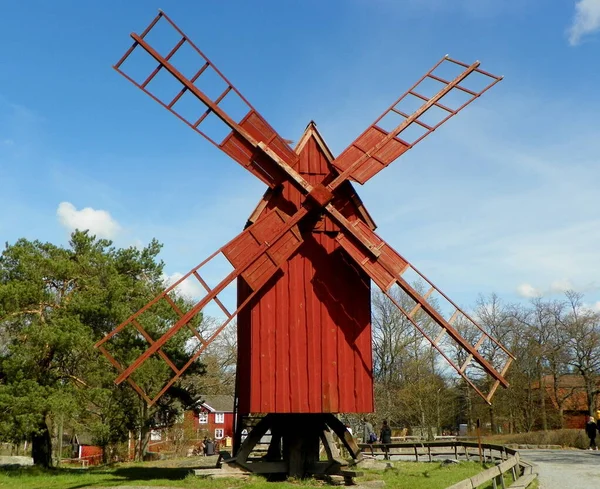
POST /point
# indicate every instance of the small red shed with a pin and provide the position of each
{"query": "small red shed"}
(305, 339)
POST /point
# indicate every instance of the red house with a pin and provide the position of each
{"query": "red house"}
(571, 392)
(215, 415)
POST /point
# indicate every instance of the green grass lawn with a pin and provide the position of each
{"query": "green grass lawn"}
(405, 475)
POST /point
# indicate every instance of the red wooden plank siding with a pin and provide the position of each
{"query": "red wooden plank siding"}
(244, 359)
(307, 334)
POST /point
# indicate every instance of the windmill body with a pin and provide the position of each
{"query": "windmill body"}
(305, 340)
(305, 263)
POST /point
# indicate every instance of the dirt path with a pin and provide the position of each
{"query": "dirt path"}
(566, 469)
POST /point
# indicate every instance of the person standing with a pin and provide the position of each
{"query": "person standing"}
(385, 437)
(369, 435)
(591, 428)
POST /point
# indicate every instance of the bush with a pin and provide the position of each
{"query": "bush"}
(564, 438)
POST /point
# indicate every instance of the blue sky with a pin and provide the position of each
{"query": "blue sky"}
(503, 198)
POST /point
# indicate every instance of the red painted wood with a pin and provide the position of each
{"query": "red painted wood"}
(212, 425)
(305, 340)
(91, 453)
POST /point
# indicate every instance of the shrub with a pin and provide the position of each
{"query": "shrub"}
(564, 438)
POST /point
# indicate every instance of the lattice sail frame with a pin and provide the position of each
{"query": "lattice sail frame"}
(247, 254)
(388, 271)
(376, 148)
(258, 252)
(250, 127)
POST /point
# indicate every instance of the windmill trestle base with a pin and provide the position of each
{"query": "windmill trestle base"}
(294, 449)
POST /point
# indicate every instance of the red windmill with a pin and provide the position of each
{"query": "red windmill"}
(304, 264)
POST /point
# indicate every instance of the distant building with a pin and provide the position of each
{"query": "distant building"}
(83, 450)
(214, 414)
(211, 417)
(571, 391)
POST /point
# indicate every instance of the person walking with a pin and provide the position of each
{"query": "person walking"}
(591, 428)
(385, 437)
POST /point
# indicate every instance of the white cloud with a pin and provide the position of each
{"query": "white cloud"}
(189, 288)
(7, 142)
(586, 20)
(528, 290)
(556, 287)
(561, 286)
(99, 222)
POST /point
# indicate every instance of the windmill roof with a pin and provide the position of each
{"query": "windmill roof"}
(311, 131)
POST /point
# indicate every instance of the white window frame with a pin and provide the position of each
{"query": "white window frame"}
(219, 433)
(219, 418)
(203, 418)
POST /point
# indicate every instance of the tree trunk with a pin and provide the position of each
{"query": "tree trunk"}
(144, 432)
(590, 394)
(41, 446)
(469, 409)
(561, 417)
(543, 402)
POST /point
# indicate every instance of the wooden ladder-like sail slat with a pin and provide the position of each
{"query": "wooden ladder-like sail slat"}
(377, 146)
(237, 136)
(255, 254)
(387, 271)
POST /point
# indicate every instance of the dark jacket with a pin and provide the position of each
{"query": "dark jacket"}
(590, 429)
(386, 435)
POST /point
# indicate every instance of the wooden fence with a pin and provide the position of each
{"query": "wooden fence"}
(507, 460)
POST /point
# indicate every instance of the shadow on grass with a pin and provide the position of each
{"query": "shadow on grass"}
(148, 473)
(102, 476)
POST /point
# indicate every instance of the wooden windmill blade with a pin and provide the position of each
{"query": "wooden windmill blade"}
(388, 270)
(243, 136)
(393, 132)
(255, 254)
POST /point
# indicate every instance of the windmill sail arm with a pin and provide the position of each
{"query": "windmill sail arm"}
(388, 271)
(237, 135)
(256, 255)
(392, 133)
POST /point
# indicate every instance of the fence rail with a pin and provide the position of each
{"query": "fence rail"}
(507, 460)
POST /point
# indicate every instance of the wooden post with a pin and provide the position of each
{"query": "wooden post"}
(479, 439)
(294, 447)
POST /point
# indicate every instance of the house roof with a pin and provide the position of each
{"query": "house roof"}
(217, 403)
(564, 381)
(570, 391)
(81, 439)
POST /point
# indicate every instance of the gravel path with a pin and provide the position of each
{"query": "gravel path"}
(566, 469)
